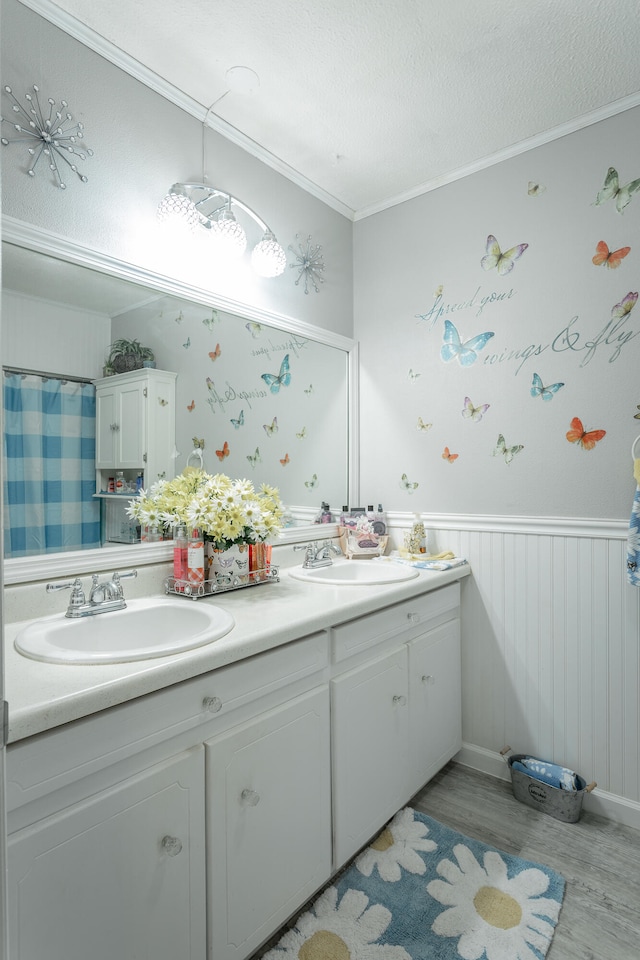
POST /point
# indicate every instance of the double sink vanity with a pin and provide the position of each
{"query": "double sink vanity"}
(186, 799)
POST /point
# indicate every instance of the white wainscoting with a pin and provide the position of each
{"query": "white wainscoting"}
(550, 648)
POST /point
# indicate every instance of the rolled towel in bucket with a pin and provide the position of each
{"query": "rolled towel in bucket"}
(551, 773)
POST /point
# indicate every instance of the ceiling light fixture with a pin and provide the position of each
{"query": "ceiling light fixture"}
(202, 209)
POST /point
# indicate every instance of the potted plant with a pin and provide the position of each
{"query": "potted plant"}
(127, 355)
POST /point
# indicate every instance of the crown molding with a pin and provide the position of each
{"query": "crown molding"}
(85, 35)
(513, 150)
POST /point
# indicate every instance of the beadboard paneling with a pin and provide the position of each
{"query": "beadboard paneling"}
(551, 648)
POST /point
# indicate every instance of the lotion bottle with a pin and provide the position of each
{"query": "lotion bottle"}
(195, 558)
(180, 548)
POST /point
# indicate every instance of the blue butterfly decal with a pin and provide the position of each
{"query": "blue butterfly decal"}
(282, 379)
(467, 353)
(539, 390)
(239, 422)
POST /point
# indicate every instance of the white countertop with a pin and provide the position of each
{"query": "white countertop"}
(45, 695)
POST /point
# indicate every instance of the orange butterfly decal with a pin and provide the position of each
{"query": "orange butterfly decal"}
(610, 258)
(447, 455)
(221, 454)
(586, 439)
(214, 354)
(191, 406)
(285, 461)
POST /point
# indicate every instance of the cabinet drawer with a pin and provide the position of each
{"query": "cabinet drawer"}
(356, 635)
(54, 759)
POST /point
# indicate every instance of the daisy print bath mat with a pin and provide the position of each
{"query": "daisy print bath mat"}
(422, 891)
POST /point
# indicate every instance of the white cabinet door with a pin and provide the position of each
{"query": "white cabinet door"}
(370, 750)
(119, 875)
(268, 822)
(435, 701)
(120, 426)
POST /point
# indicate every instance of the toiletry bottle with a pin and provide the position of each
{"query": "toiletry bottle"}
(195, 558)
(180, 548)
(139, 482)
(120, 481)
(325, 515)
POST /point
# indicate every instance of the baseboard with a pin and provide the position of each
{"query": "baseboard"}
(599, 802)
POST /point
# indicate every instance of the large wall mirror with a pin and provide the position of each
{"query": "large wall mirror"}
(258, 395)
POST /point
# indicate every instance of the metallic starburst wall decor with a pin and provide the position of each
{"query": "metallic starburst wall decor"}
(309, 263)
(53, 136)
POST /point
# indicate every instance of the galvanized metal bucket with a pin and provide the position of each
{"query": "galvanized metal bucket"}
(565, 805)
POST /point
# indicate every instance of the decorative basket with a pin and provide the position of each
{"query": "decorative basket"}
(126, 362)
(565, 805)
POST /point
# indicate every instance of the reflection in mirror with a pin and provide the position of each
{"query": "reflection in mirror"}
(253, 399)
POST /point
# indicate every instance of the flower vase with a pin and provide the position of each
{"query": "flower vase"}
(227, 566)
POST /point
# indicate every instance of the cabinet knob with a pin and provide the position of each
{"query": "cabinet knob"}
(249, 798)
(413, 617)
(172, 846)
(400, 700)
(212, 704)
(428, 678)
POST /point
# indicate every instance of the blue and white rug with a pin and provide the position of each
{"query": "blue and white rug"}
(422, 891)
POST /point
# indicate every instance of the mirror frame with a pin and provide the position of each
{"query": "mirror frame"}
(56, 565)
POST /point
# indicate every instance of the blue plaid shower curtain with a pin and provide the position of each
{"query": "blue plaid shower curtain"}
(49, 460)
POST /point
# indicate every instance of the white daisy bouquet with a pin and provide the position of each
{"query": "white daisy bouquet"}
(227, 511)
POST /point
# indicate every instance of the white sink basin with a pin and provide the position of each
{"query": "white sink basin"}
(355, 572)
(150, 627)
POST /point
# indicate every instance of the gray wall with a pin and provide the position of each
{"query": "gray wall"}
(550, 315)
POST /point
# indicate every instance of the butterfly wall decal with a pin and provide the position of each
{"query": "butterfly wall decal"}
(453, 347)
(586, 439)
(271, 428)
(611, 190)
(210, 384)
(609, 258)
(539, 390)
(309, 390)
(191, 406)
(214, 354)
(254, 329)
(636, 416)
(302, 434)
(507, 452)
(447, 455)
(254, 458)
(285, 460)
(439, 290)
(313, 482)
(162, 401)
(625, 306)
(503, 262)
(187, 343)
(208, 322)
(282, 379)
(413, 376)
(239, 422)
(535, 189)
(408, 485)
(221, 454)
(422, 426)
(474, 413)
(179, 318)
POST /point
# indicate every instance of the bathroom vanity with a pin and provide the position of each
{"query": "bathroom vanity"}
(187, 806)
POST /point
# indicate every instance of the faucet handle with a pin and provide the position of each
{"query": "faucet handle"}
(125, 575)
(77, 593)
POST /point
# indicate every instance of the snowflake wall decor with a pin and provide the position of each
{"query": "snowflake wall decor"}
(54, 135)
(309, 263)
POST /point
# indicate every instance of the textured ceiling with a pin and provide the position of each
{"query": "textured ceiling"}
(374, 100)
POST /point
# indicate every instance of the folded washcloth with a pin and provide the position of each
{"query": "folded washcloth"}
(440, 561)
(551, 773)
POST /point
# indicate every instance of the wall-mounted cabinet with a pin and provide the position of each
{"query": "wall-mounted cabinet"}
(135, 426)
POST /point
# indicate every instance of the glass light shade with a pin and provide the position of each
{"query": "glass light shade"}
(178, 210)
(268, 258)
(228, 235)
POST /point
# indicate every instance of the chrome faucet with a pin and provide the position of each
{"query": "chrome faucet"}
(317, 554)
(104, 596)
